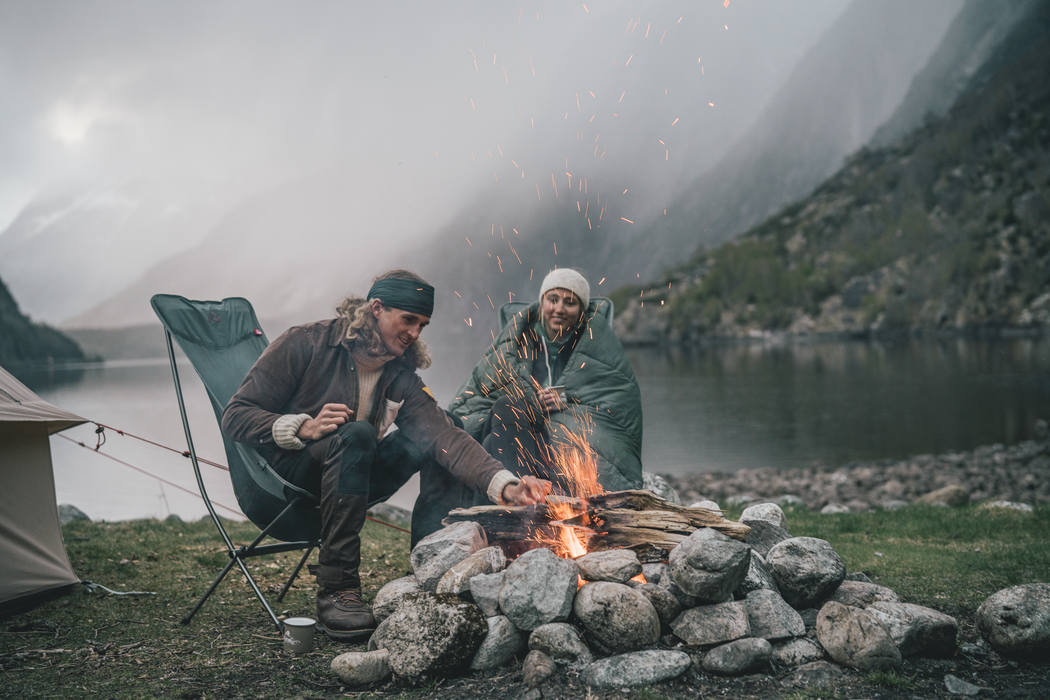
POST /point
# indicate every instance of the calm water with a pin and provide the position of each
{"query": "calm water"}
(706, 409)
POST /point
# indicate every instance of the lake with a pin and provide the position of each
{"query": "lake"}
(711, 408)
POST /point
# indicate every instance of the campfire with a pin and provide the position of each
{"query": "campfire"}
(589, 519)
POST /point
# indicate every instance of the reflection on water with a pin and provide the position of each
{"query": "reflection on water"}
(730, 407)
(710, 408)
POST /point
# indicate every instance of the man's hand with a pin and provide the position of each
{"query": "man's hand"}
(529, 491)
(327, 421)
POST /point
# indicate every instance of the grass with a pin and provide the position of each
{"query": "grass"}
(134, 646)
(890, 679)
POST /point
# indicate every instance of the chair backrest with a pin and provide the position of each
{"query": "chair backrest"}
(604, 307)
(222, 340)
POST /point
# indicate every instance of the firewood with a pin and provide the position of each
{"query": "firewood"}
(637, 520)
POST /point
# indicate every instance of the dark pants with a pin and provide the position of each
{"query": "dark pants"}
(351, 470)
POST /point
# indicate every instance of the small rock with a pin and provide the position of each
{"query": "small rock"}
(616, 617)
(737, 658)
(954, 495)
(70, 514)
(858, 576)
(809, 617)
(1009, 505)
(807, 570)
(562, 642)
(356, 668)
(484, 589)
(709, 565)
(709, 505)
(917, 630)
(893, 504)
(484, 561)
(819, 674)
(758, 578)
(616, 565)
(391, 513)
(771, 618)
(667, 606)
(433, 635)
(855, 638)
(833, 508)
(439, 551)
(538, 587)
(654, 573)
(537, 668)
(500, 645)
(796, 652)
(658, 485)
(635, 668)
(1016, 621)
(767, 512)
(957, 686)
(391, 595)
(378, 639)
(712, 624)
(861, 595)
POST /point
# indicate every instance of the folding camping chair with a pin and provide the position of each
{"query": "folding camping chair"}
(222, 340)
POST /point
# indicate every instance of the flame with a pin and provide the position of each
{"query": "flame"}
(640, 578)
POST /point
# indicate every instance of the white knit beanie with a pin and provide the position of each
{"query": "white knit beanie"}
(566, 278)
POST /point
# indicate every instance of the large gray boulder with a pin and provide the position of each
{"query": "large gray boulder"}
(439, 551)
(771, 618)
(562, 642)
(390, 596)
(500, 645)
(660, 575)
(616, 565)
(616, 617)
(807, 570)
(635, 668)
(737, 658)
(709, 565)
(917, 630)
(658, 485)
(433, 635)
(1016, 621)
(538, 587)
(713, 624)
(484, 561)
(855, 638)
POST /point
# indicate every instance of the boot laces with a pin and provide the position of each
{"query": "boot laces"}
(348, 596)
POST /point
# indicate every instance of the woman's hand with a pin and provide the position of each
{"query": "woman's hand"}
(550, 399)
(529, 491)
(327, 421)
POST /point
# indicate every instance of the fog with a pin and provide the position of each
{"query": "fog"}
(433, 101)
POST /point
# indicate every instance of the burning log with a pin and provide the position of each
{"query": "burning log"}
(637, 520)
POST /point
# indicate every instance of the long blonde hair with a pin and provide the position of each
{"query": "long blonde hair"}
(363, 329)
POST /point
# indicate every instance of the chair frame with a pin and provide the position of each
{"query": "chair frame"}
(238, 555)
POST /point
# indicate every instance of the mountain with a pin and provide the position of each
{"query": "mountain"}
(121, 228)
(847, 85)
(946, 228)
(24, 344)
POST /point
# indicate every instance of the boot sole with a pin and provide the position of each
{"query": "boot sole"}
(343, 635)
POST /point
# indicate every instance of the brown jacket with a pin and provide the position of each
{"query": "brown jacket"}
(309, 366)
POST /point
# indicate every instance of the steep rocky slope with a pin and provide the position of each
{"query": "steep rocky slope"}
(948, 228)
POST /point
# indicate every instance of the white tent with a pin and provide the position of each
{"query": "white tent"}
(34, 561)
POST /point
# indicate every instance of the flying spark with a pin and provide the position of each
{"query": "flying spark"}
(627, 220)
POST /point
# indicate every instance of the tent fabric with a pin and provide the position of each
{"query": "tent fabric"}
(31, 549)
(19, 404)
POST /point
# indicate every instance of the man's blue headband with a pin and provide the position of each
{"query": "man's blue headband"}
(416, 297)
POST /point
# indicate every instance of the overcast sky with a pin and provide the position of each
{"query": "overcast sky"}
(263, 92)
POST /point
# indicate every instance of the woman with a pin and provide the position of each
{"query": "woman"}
(557, 373)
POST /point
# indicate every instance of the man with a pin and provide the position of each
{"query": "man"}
(317, 405)
(557, 368)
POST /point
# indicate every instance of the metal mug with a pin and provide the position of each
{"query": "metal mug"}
(299, 635)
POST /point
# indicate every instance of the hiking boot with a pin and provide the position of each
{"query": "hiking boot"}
(342, 615)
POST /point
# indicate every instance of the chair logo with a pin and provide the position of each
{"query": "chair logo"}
(213, 317)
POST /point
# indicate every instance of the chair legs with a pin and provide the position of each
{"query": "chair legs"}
(295, 573)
